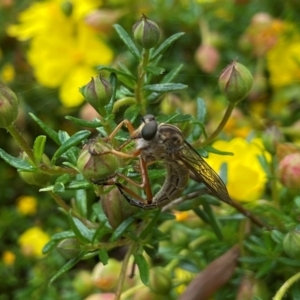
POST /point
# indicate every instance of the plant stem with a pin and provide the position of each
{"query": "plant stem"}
(140, 81)
(122, 102)
(12, 129)
(221, 125)
(283, 289)
(129, 252)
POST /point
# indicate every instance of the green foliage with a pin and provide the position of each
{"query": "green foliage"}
(162, 81)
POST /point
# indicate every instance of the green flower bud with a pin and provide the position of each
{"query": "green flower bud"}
(106, 277)
(83, 283)
(67, 8)
(8, 106)
(271, 137)
(289, 170)
(35, 177)
(95, 162)
(291, 244)
(159, 281)
(97, 92)
(68, 248)
(116, 208)
(235, 82)
(146, 33)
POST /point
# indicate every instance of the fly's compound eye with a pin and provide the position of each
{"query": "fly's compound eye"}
(149, 130)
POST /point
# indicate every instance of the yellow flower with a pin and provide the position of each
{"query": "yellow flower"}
(283, 60)
(32, 241)
(8, 258)
(27, 205)
(246, 178)
(64, 50)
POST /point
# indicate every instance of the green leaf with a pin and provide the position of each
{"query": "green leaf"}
(172, 74)
(109, 107)
(103, 256)
(127, 79)
(175, 118)
(165, 87)
(83, 234)
(289, 262)
(58, 187)
(100, 231)
(217, 151)
(50, 132)
(75, 185)
(201, 110)
(38, 148)
(90, 124)
(265, 268)
(63, 235)
(71, 142)
(165, 45)
(81, 202)
(49, 246)
(122, 228)
(98, 210)
(150, 227)
(132, 112)
(155, 70)
(15, 162)
(143, 267)
(127, 40)
(277, 236)
(213, 221)
(70, 264)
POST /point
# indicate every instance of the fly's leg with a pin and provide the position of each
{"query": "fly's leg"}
(125, 191)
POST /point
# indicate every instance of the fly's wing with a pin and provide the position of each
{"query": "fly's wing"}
(203, 172)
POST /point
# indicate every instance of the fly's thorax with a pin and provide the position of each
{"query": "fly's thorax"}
(171, 137)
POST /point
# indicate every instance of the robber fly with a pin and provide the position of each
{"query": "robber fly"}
(166, 143)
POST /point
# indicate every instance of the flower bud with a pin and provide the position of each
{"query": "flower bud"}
(289, 170)
(97, 92)
(283, 149)
(271, 137)
(251, 287)
(8, 106)
(35, 177)
(207, 57)
(146, 33)
(101, 296)
(68, 248)
(291, 244)
(106, 277)
(159, 281)
(116, 208)
(83, 283)
(235, 82)
(67, 8)
(95, 162)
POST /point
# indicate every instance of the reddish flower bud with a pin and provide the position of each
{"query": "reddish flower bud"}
(95, 162)
(8, 106)
(235, 82)
(207, 57)
(106, 277)
(289, 170)
(116, 208)
(146, 33)
(97, 92)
